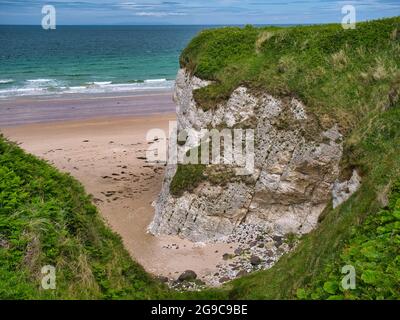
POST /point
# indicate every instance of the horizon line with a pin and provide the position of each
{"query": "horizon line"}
(166, 24)
(197, 24)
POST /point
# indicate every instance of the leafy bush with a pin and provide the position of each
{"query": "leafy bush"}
(374, 252)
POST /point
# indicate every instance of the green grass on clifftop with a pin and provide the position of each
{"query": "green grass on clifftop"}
(341, 75)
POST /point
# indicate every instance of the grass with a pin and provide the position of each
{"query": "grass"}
(187, 178)
(339, 74)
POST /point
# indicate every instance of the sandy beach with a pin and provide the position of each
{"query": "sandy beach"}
(105, 151)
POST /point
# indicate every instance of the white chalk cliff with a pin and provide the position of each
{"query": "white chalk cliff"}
(296, 169)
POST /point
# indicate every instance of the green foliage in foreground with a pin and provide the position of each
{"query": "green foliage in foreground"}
(46, 219)
(374, 252)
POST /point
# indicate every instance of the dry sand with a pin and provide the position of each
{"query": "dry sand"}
(106, 156)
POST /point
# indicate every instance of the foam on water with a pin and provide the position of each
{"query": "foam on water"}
(99, 83)
(40, 80)
(4, 81)
(154, 80)
(35, 87)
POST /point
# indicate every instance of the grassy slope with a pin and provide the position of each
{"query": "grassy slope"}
(46, 219)
(349, 77)
(374, 251)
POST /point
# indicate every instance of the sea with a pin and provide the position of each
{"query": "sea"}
(89, 59)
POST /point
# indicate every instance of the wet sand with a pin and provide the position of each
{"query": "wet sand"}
(107, 155)
(41, 109)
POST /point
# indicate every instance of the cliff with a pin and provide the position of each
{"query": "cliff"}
(296, 168)
(324, 106)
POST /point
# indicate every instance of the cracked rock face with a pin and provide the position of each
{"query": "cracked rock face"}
(296, 167)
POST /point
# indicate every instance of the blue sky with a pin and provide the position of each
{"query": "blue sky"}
(193, 11)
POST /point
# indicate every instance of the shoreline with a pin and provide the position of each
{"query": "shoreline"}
(74, 107)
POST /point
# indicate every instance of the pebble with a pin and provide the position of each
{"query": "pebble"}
(255, 260)
(188, 275)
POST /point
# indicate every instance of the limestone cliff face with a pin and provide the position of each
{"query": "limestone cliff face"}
(296, 168)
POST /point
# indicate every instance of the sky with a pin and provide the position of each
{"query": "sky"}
(127, 12)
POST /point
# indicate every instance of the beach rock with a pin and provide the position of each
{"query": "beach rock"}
(224, 279)
(226, 256)
(188, 275)
(278, 240)
(241, 273)
(238, 251)
(255, 260)
(269, 253)
(162, 279)
(253, 243)
(240, 264)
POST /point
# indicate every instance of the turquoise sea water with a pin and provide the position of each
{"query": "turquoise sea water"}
(89, 59)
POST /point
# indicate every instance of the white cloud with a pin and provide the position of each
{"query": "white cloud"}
(159, 14)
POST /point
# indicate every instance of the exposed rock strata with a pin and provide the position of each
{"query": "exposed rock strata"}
(296, 167)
